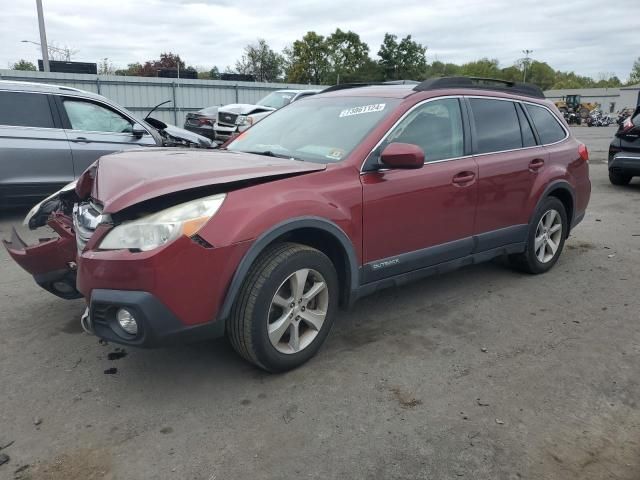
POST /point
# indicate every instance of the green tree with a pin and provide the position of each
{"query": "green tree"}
(23, 65)
(214, 73)
(441, 69)
(634, 77)
(307, 60)
(404, 60)
(261, 62)
(483, 68)
(348, 55)
(132, 70)
(511, 74)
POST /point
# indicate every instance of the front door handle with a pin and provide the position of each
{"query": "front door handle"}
(536, 164)
(81, 140)
(463, 179)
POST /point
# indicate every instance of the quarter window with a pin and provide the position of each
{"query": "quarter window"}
(497, 125)
(22, 109)
(549, 130)
(91, 117)
(436, 127)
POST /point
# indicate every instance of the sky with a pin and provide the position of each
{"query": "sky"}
(590, 37)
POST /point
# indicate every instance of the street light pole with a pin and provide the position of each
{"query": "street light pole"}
(43, 37)
(526, 63)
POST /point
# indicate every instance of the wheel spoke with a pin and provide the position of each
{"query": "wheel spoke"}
(298, 280)
(539, 241)
(294, 336)
(550, 217)
(541, 251)
(313, 291)
(555, 228)
(280, 301)
(278, 328)
(553, 246)
(313, 318)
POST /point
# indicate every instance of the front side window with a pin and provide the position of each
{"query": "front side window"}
(320, 129)
(546, 124)
(497, 126)
(20, 109)
(435, 127)
(91, 117)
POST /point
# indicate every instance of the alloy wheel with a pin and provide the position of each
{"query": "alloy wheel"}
(548, 236)
(298, 311)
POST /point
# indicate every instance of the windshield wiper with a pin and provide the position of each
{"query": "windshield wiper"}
(270, 153)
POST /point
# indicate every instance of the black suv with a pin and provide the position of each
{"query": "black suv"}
(624, 151)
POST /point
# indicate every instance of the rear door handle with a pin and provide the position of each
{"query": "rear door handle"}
(81, 140)
(463, 179)
(536, 164)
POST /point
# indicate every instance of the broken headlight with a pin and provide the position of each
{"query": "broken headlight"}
(155, 230)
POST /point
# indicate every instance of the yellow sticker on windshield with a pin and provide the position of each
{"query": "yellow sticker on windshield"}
(376, 107)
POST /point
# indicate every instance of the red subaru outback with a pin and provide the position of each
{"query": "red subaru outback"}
(322, 202)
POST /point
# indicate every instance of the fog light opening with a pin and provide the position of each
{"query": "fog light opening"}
(127, 321)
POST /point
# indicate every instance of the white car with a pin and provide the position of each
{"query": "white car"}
(237, 117)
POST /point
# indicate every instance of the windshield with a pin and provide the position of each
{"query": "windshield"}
(323, 130)
(276, 99)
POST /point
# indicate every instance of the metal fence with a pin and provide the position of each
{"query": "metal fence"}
(140, 94)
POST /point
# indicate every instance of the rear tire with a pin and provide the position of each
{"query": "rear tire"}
(619, 179)
(285, 308)
(547, 233)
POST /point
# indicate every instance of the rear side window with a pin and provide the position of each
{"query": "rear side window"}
(546, 124)
(497, 126)
(528, 139)
(22, 109)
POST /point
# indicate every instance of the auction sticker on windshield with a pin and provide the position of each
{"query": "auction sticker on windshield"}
(376, 107)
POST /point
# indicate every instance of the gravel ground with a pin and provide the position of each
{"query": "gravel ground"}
(482, 373)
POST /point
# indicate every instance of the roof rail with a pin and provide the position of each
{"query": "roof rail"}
(479, 83)
(343, 86)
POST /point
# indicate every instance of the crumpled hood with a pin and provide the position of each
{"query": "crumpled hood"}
(124, 179)
(244, 108)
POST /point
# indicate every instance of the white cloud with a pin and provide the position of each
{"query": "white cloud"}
(589, 37)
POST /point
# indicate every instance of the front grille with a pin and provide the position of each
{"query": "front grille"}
(227, 118)
(86, 217)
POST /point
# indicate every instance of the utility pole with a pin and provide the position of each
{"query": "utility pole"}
(526, 63)
(43, 37)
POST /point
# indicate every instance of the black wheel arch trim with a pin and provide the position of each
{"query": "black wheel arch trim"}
(277, 231)
(558, 185)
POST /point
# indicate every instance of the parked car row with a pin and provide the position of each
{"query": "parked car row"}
(324, 201)
(222, 123)
(50, 134)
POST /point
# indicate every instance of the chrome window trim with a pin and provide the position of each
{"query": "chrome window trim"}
(567, 133)
(48, 129)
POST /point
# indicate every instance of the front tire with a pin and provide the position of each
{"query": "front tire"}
(547, 233)
(619, 179)
(285, 308)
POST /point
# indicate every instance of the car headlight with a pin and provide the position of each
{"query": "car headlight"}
(243, 120)
(155, 230)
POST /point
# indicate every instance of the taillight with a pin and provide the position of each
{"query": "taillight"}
(627, 124)
(583, 152)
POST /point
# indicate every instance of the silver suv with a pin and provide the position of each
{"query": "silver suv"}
(50, 134)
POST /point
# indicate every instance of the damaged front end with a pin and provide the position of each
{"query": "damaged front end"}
(51, 261)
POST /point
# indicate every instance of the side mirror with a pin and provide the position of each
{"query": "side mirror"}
(138, 130)
(402, 155)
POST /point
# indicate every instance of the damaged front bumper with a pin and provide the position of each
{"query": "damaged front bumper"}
(52, 261)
